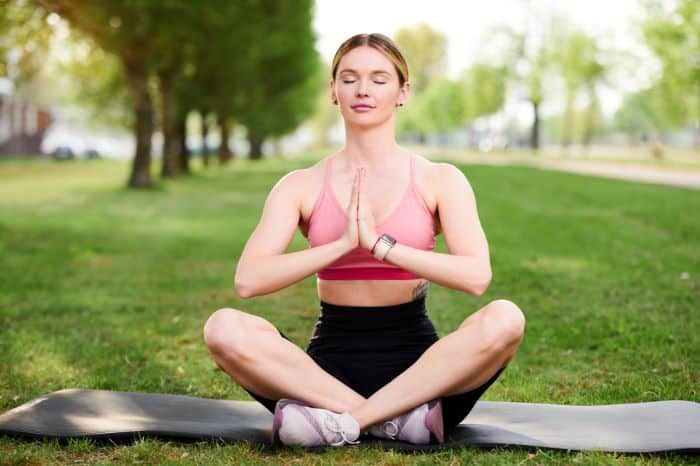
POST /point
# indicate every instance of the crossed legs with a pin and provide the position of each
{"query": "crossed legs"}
(255, 355)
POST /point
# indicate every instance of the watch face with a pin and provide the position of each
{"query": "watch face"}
(388, 239)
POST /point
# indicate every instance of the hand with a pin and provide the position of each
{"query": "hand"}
(365, 219)
(351, 235)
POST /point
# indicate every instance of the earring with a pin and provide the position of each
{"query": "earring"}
(399, 105)
(335, 102)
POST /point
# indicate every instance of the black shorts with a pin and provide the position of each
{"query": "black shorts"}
(367, 347)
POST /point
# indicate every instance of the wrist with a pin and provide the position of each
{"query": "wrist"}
(383, 246)
(344, 244)
(373, 244)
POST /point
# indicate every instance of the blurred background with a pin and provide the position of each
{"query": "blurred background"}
(162, 83)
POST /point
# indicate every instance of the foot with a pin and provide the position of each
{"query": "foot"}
(421, 425)
(298, 424)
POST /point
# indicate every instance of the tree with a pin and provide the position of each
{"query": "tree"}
(126, 30)
(527, 60)
(674, 36)
(484, 88)
(441, 107)
(326, 114)
(95, 81)
(25, 32)
(280, 87)
(647, 114)
(425, 50)
(578, 59)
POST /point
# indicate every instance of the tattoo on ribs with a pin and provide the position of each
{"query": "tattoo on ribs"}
(421, 290)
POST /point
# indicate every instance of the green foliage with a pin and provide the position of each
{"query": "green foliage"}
(97, 83)
(441, 107)
(325, 114)
(281, 85)
(25, 32)
(425, 51)
(674, 36)
(647, 112)
(484, 88)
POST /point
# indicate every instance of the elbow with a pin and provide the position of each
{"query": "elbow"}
(243, 289)
(482, 285)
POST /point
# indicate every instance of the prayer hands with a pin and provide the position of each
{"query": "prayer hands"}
(360, 229)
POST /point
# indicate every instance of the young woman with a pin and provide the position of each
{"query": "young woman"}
(371, 211)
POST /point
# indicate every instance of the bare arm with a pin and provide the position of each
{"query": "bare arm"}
(467, 266)
(263, 266)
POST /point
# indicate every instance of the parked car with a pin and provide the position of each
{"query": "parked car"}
(92, 154)
(63, 153)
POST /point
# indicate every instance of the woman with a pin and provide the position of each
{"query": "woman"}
(375, 364)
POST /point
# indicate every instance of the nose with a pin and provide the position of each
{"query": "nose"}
(361, 88)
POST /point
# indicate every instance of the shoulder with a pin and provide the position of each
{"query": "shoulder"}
(438, 179)
(302, 186)
(299, 180)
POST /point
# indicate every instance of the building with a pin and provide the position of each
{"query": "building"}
(22, 124)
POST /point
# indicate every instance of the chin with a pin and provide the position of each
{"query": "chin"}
(366, 122)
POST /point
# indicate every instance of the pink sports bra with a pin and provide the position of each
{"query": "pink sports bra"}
(411, 223)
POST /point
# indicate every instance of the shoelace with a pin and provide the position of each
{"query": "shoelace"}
(332, 425)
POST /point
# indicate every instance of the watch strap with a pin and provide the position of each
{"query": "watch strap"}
(383, 246)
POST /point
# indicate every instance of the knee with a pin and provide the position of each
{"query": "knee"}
(504, 324)
(224, 333)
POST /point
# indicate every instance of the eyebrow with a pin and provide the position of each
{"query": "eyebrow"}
(349, 70)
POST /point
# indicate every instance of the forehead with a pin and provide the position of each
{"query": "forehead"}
(365, 59)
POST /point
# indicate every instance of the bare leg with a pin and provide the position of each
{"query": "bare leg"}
(252, 351)
(457, 363)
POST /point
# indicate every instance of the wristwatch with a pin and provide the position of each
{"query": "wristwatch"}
(382, 246)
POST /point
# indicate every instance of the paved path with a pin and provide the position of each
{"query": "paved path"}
(687, 178)
(645, 174)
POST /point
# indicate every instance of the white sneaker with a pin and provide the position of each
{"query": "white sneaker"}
(421, 425)
(297, 424)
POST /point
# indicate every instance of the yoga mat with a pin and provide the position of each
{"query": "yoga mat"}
(660, 426)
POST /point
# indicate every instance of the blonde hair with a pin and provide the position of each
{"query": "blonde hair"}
(379, 42)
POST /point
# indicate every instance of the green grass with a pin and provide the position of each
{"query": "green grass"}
(107, 288)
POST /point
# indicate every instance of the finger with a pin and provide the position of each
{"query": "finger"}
(352, 207)
(358, 196)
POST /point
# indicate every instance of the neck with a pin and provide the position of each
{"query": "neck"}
(370, 147)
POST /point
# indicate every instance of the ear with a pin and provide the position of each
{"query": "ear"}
(331, 84)
(403, 92)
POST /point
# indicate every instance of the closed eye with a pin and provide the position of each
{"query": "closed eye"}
(376, 82)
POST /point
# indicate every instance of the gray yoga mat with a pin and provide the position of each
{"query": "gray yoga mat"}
(660, 426)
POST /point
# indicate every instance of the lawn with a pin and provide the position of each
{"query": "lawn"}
(108, 288)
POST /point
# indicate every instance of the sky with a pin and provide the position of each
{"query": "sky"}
(465, 23)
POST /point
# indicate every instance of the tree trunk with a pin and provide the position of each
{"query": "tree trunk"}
(535, 135)
(224, 149)
(590, 127)
(205, 135)
(591, 115)
(567, 124)
(183, 154)
(256, 141)
(170, 140)
(143, 124)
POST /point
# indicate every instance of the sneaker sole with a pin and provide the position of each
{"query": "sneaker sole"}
(434, 423)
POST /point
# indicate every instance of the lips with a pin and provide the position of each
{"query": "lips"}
(362, 106)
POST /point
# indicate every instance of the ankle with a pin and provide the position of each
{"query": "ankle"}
(362, 420)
